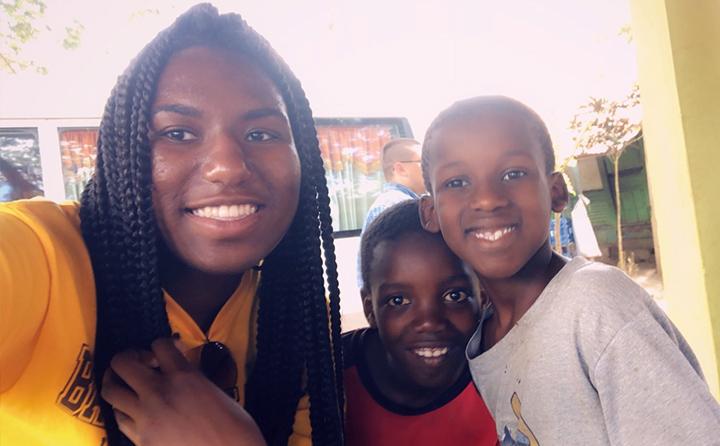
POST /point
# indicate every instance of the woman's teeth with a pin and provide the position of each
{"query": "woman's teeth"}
(492, 236)
(229, 212)
(431, 352)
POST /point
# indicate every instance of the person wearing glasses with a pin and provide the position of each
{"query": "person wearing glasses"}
(182, 301)
(403, 181)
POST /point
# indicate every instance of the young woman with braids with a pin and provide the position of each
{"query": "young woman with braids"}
(206, 218)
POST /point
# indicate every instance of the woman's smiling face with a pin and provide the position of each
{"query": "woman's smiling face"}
(226, 174)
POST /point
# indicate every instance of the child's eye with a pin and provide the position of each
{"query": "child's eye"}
(456, 296)
(513, 175)
(259, 136)
(456, 183)
(179, 135)
(396, 301)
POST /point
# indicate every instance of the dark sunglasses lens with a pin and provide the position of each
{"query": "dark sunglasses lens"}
(217, 364)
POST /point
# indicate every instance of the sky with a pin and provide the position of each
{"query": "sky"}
(368, 58)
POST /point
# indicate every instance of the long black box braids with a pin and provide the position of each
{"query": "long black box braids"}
(298, 333)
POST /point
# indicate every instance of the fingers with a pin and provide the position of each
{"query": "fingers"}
(126, 425)
(148, 358)
(133, 369)
(168, 355)
(120, 396)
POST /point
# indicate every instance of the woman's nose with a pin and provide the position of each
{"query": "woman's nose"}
(225, 160)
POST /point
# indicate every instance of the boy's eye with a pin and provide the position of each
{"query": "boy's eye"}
(396, 301)
(259, 136)
(179, 135)
(513, 175)
(456, 296)
(456, 183)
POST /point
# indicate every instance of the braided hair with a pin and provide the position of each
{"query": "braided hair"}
(298, 338)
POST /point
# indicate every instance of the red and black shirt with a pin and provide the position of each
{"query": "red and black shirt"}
(458, 417)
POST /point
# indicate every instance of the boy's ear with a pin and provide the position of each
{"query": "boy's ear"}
(368, 309)
(428, 216)
(559, 195)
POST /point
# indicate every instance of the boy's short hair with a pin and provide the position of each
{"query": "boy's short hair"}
(389, 155)
(478, 104)
(394, 222)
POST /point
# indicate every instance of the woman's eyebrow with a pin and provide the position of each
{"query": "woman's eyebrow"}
(265, 112)
(180, 109)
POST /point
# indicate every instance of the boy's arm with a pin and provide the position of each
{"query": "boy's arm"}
(651, 388)
(24, 294)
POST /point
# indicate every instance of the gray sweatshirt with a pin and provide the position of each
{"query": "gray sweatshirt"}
(594, 361)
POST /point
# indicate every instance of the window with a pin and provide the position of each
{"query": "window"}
(78, 150)
(350, 147)
(352, 154)
(20, 170)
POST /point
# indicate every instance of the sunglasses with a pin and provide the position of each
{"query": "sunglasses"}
(218, 365)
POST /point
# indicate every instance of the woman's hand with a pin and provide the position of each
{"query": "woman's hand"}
(159, 398)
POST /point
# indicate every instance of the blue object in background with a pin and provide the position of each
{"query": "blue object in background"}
(566, 234)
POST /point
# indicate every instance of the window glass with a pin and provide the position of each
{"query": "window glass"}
(20, 171)
(352, 151)
(78, 150)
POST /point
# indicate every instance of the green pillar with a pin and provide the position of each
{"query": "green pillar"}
(678, 44)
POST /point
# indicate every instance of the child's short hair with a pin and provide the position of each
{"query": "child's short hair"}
(394, 222)
(389, 155)
(479, 104)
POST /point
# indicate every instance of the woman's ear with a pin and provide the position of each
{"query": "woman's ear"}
(428, 216)
(558, 192)
(367, 308)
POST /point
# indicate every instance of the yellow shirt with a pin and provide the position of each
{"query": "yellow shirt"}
(47, 330)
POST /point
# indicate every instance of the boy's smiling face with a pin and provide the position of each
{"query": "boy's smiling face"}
(420, 302)
(491, 195)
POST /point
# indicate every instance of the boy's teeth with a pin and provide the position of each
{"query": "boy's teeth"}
(428, 352)
(226, 212)
(493, 235)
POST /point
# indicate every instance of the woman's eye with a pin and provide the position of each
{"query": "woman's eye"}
(260, 136)
(456, 183)
(396, 301)
(179, 135)
(456, 296)
(513, 175)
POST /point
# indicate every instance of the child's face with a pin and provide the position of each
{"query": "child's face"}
(226, 174)
(491, 195)
(420, 302)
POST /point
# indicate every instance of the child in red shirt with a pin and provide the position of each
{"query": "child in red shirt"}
(406, 376)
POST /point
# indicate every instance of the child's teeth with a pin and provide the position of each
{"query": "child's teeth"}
(431, 352)
(493, 235)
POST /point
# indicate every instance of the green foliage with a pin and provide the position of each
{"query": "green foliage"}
(604, 126)
(73, 35)
(17, 29)
(21, 23)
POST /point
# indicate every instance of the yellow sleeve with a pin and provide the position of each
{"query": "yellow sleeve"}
(24, 294)
(302, 432)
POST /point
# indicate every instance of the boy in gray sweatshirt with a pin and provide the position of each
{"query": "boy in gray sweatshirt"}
(568, 352)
